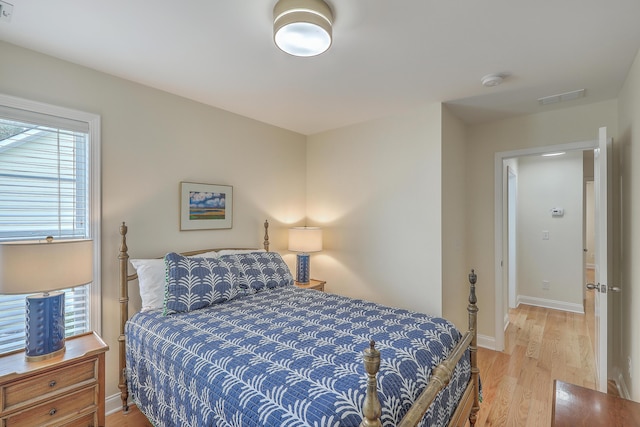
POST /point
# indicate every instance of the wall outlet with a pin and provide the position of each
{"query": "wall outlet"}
(545, 284)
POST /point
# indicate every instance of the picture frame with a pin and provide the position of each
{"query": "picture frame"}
(205, 206)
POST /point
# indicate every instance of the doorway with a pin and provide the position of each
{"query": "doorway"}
(507, 289)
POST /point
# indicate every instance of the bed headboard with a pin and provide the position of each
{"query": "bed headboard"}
(124, 279)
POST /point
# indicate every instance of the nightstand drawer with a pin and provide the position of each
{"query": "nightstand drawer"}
(84, 421)
(56, 410)
(42, 386)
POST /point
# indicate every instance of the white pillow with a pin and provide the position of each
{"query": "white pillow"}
(212, 254)
(239, 251)
(152, 277)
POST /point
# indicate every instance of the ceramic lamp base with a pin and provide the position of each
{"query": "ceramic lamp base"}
(44, 326)
(302, 268)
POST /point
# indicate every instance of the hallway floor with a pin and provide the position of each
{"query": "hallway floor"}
(540, 345)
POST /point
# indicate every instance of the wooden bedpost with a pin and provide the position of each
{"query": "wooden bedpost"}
(266, 235)
(372, 408)
(472, 308)
(123, 258)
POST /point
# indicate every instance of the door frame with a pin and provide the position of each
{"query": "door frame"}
(512, 213)
(500, 223)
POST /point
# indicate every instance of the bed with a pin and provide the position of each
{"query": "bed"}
(258, 351)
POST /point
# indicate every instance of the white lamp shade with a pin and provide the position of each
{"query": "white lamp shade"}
(302, 27)
(30, 267)
(305, 239)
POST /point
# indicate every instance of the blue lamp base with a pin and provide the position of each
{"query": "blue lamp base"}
(302, 268)
(44, 326)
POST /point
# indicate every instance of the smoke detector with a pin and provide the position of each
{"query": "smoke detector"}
(491, 80)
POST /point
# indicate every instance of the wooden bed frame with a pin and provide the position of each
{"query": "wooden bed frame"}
(466, 410)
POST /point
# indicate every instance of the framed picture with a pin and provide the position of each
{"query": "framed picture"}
(205, 206)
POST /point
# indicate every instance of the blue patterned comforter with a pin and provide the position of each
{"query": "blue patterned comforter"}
(286, 357)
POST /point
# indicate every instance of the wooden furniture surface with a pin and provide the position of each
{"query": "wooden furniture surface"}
(574, 405)
(67, 390)
(466, 411)
(318, 285)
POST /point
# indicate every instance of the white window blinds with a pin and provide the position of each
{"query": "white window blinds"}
(44, 191)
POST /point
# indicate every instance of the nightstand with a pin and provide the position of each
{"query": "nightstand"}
(318, 285)
(67, 390)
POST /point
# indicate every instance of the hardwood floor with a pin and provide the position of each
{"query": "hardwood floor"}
(134, 418)
(540, 345)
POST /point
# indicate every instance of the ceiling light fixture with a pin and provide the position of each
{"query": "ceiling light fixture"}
(559, 153)
(302, 27)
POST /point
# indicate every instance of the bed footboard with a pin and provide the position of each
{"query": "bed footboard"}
(440, 377)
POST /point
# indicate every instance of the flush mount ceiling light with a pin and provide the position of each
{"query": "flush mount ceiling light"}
(302, 27)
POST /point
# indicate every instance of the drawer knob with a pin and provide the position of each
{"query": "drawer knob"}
(52, 383)
(53, 411)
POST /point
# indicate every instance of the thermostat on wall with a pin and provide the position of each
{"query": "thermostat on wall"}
(557, 212)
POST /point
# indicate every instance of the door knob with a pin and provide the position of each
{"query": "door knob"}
(592, 286)
(614, 289)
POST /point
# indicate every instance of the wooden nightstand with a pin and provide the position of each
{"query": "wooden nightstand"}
(67, 390)
(313, 284)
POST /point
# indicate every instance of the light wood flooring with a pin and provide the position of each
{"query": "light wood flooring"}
(540, 345)
(134, 418)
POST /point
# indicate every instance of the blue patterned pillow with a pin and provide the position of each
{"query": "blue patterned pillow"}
(259, 270)
(194, 283)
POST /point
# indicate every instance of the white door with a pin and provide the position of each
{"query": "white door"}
(600, 184)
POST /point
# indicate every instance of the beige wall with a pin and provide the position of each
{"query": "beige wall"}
(151, 141)
(455, 269)
(628, 151)
(376, 189)
(483, 141)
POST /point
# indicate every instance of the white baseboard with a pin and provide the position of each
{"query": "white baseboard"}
(485, 341)
(553, 304)
(113, 404)
(621, 384)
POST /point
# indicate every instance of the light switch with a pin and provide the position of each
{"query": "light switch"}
(545, 235)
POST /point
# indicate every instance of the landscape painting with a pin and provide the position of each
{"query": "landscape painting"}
(205, 206)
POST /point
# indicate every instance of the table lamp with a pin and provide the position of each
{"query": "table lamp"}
(40, 268)
(304, 240)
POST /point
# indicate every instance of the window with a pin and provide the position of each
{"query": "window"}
(49, 186)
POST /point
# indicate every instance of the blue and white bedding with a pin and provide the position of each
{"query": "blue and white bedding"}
(285, 356)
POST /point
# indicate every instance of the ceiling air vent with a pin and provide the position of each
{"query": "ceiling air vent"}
(561, 97)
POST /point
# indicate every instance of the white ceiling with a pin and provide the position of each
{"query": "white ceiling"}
(387, 56)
